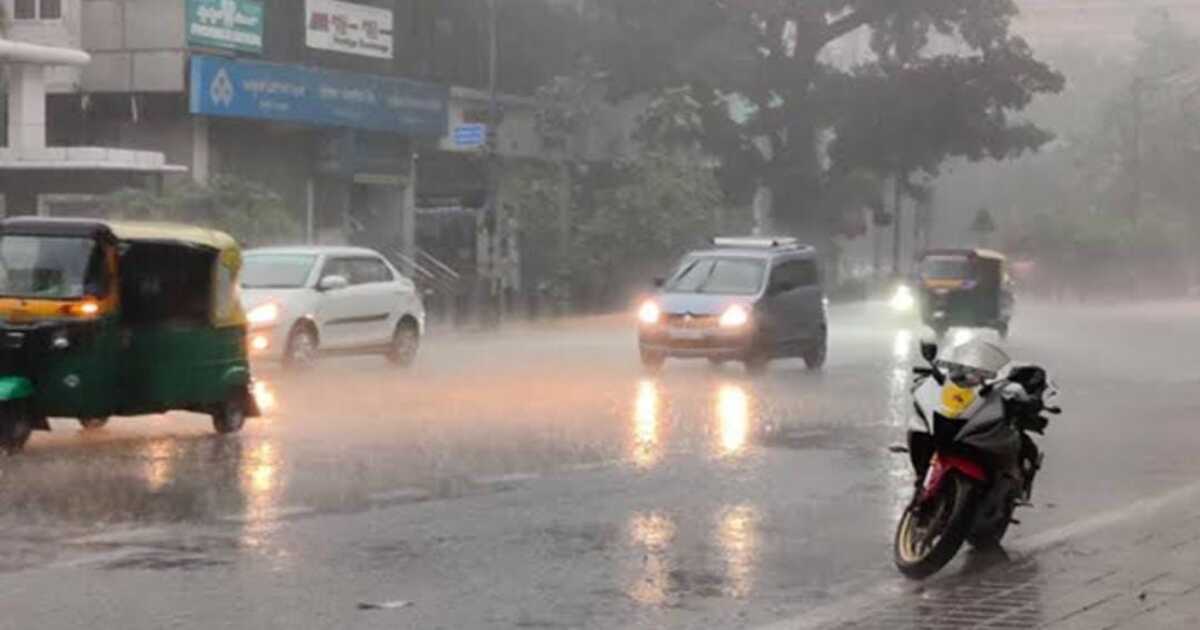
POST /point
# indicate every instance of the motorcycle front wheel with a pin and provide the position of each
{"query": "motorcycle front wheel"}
(929, 534)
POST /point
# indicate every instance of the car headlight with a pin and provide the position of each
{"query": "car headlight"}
(649, 313)
(263, 315)
(903, 300)
(735, 316)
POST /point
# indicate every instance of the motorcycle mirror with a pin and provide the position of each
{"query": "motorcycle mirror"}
(929, 350)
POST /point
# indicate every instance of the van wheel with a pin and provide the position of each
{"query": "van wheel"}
(814, 359)
(756, 364)
(92, 424)
(301, 349)
(230, 416)
(15, 429)
(653, 361)
(406, 341)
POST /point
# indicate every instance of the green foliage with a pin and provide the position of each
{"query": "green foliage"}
(906, 114)
(247, 210)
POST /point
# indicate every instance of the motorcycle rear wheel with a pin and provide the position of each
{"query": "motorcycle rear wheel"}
(928, 536)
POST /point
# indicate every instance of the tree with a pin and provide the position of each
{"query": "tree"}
(984, 225)
(770, 97)
(250, 212)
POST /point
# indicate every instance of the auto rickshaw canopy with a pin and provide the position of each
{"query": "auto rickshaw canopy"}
(226, 308)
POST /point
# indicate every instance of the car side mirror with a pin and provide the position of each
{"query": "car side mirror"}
(332, 283)
(929, 350)
(660, 283)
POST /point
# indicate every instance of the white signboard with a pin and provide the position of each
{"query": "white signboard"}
(353, 29)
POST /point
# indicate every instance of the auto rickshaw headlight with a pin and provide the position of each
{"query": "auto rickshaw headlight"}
(60, 341)
(903, 300)
(263, 315)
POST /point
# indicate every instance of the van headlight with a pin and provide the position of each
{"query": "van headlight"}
(736, 316)
(649, 313)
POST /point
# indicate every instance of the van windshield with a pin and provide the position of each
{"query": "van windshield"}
(722, 276)
(51, 268)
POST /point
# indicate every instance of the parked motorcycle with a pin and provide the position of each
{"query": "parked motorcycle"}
(970, 447)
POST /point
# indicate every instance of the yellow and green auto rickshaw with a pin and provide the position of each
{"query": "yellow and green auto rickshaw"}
(964, 287)
(101, 319)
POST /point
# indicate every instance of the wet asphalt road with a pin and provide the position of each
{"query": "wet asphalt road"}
(538, 479)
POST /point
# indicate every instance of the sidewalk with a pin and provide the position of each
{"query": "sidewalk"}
(1140, 570)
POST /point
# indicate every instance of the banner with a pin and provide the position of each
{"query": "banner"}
(353, 29)
(255, 89)
(229, 24)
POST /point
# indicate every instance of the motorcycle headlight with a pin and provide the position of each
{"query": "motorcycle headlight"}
(649, 313)
(60, 341)
(263, 315)
(735, 316)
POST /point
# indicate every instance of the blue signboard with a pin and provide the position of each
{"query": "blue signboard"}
(253, 89)
(470, 136)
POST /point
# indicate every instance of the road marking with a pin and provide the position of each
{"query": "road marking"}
(854, 607)
(268, 515)
(403, 494)
(97, 558)
(124, 536)
(495, 480)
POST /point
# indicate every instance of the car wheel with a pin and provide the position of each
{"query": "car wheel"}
(230, 416)
(301, 349)
(92, 424)
(406, 341)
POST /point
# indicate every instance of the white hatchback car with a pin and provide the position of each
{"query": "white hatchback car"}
(303, 302)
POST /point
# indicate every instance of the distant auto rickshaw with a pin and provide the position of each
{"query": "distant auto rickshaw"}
(964, 287)
(101, 319)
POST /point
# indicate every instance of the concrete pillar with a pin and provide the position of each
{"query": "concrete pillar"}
(408, 211)
(201, 151)
(27, 106)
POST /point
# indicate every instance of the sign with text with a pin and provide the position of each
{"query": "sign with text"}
(230, 24)
(353, 29)
(255, 89)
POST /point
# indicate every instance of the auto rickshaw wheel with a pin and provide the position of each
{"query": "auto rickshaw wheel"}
(92, 424)
(230, 416)
(15, 429)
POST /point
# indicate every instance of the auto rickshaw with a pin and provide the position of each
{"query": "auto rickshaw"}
(964, 287)
(101, 319)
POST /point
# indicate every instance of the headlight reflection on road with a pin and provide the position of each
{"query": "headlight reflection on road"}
(264, 395)
(647, 448)
(902, 346)
(651, 534)
(737, 536)
(159, 467)
(733, 413)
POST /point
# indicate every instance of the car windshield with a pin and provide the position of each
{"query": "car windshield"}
(946, 267)
(56, 268)
(277, 271)
(723, 276)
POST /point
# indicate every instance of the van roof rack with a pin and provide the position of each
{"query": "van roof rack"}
(757, 242)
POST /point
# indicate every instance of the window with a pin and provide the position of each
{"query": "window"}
(338, 267)
(795, 274)
(37, 9)
(369, 271)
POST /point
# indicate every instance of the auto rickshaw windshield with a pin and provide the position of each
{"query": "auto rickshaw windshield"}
(50, 267)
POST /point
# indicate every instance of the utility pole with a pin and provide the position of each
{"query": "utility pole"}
(1135, 163)
(492, 202)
